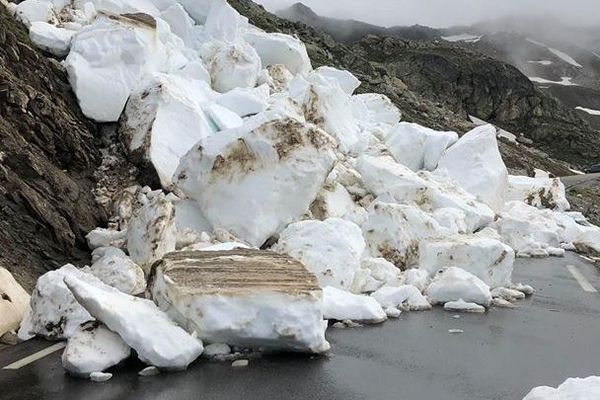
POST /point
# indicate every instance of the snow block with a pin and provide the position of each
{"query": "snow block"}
(345, 79)
(93, 348)
(119, 272)
(255, 180)
(375, 109)
(453, 284)
(233, 66)
(341, 305)
(146, 329)
(330, 249)
(475, 162)
(279, 48)
(488, 259)
(56, 41)
(249, 298)
(538, 192)
(14, 302)
(405, 296)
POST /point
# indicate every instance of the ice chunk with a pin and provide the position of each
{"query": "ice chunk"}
(538, 192)
(102, 237)
(244, 101)
(146, 329)
(93, 348)
(255, 180)
(488, 259)
(30, 11)
(462, 306)
(572, 389)
(120, 272)
(55, 314)
(163, 120)
(393, 231)
(14, 302)
(279, 48)
(402, 296)
(249, 298)
(529, 231)
(216, 349)
(348, 82)
(54, 40)
(234, 65)
(475, 162)
(110, 56)
(341, 305)
(330, 249)
(100, 376)
(418, 147)
(152, 232)
(453, 284)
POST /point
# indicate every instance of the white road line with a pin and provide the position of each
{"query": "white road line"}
(586, 258)
(583, 282)
(36, 356)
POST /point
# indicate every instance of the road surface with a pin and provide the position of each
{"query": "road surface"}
(577, 180)
(501, 355)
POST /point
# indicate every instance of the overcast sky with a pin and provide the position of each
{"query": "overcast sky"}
(443, 13)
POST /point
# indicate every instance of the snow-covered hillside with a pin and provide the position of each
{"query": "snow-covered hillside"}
(254, 149)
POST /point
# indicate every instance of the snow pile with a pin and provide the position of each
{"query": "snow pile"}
(14, 302)
(571, 389)
(364, 215)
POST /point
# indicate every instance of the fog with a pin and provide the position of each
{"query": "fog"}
(444, 13)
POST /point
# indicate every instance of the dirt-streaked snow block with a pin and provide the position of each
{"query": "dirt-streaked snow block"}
(453, 284)
(55, 314)
(255, 180)
(488, 259)
(120, 272)
(244, 297)
(139, 322)
(93, 348)
(152, 232)
(418, 147)
(109, 57)
(531, 232)
(56, 41)
(341, 305)
(233, 66)
(347, 81)
(163, 120)
(330, 249)
(405, 296)
(393, 231)
(577, 230)
(475, 162)
(384, 176)
(14, 302)
(279, 48)
(538, 192)
(572, 389)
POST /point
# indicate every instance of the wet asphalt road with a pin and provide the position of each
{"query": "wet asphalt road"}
(501, 355)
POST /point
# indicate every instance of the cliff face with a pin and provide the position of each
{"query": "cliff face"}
(48, 153)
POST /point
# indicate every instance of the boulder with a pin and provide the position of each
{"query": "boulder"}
(244, 297)
(454, 284)
(342, 306)
(488, 259)
(255, 180)
(475, 163)
(14, 302)
(152, 232)
(93, 348)
(146, 329)
(330, 249)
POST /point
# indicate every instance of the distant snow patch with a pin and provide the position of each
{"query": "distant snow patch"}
(565, 81)
(588, 110)
(541, 62)
(463, 37)
(564, 56)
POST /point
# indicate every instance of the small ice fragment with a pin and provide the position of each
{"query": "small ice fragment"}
(149, 371)
(239, 363)
(100, 376)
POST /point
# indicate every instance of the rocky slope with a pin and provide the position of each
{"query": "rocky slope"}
(48, 153)
(460, 78)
